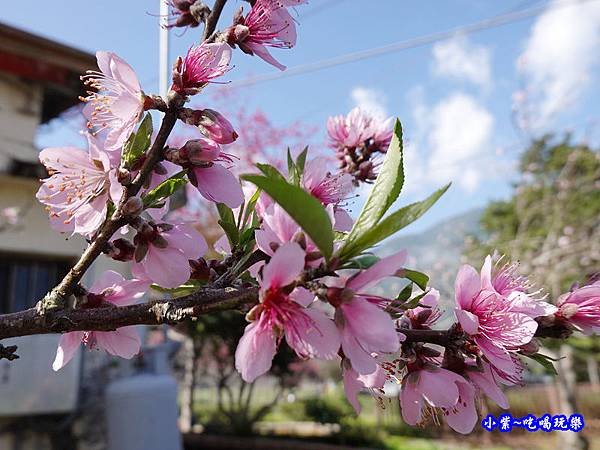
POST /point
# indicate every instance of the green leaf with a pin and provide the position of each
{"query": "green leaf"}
(227, 222)
(137, 143)
(249, 208)
(419, 278)
(270, 171)
(164, 190)
(404, 294)
(385, 191)
(361, 262)
(292, 172)
(545, 361)
(390, 225)
(413, 302)
(306, 210)
(301, 160)
(247, 236)
(187, 288)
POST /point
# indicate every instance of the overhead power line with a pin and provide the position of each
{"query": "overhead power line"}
(492, 22)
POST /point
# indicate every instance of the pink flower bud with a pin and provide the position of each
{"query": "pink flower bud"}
(200, 151)
(216, 127)
(133, 207)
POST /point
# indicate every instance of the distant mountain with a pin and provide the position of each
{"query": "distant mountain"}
(436, 251)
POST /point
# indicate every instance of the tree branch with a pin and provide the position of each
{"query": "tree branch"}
(109, 318)
(213, 19)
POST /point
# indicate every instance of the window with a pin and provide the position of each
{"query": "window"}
(24, 281)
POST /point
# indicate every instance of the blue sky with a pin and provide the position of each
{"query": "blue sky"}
(455, 97)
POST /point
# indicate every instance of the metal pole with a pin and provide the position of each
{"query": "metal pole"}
(163, 49)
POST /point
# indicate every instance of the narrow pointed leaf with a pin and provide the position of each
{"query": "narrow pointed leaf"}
(306, 210)
(390, 225)
(138, 142)
(385, 191)
(157, 196)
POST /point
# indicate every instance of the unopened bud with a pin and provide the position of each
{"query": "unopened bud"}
(216, 127)
(200, 151)
(133, 207)
(124, 176)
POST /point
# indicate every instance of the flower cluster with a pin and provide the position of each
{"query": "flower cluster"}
(495, 315)
(357, 139)
(268, 24)
(315, 283)
(89, 188)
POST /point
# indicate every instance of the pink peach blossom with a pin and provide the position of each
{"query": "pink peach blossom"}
(354, 383)
(124, 342)
(438, 388)
(216, 182)
(498, 324)
(581, 307)
(283, 313)
(118, 102)
(79, 187)
(329, 189)
(278, 228)
(202, 64)
(366, 330)
(268, 24)
(165, 253)
(357, 128)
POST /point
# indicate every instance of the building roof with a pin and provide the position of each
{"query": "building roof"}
(54, 65)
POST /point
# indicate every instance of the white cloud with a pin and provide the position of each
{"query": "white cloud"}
(559, 58)
(370, 100)
(458, 58)
(451, 141)
(461, 130)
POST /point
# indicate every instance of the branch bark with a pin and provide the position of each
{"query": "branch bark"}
(109, 318)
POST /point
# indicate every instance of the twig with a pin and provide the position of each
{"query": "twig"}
(213, 19)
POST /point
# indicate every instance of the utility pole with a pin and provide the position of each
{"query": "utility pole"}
(163, 49)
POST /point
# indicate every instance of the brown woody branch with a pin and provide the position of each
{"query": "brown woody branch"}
(555, 330)
(212, 20)
(109, 318)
